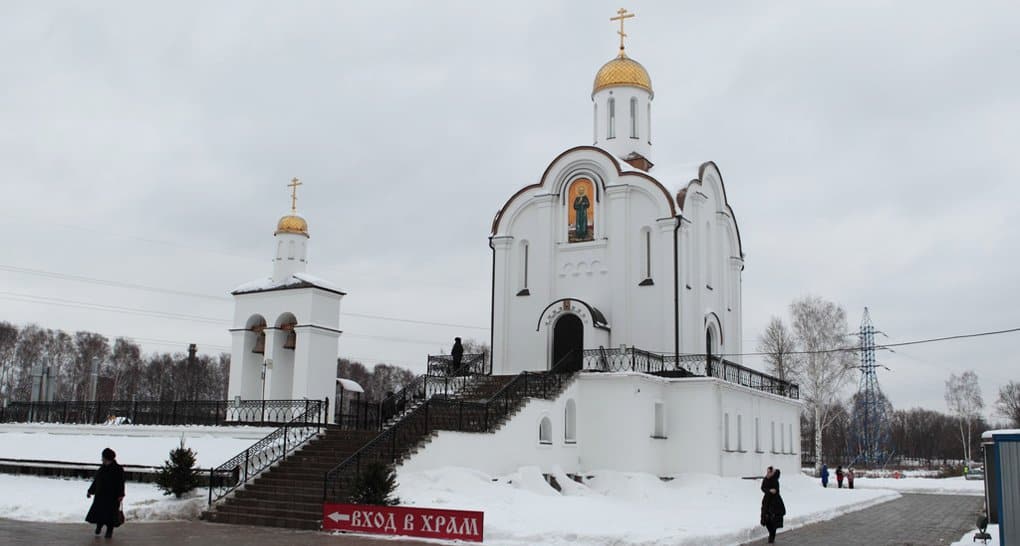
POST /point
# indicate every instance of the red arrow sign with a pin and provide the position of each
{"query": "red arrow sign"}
(405, 521)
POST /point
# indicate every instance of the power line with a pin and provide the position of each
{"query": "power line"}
(883, 346)
(27, 298)
(222, 299)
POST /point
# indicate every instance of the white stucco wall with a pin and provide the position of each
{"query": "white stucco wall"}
(616, 426)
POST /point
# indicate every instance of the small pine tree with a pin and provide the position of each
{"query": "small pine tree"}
(178, 475)
(375, 485)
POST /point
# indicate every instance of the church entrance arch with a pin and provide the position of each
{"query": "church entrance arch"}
(568, 341)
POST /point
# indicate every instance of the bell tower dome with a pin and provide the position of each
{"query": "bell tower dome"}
(622, 110)
(291, 240)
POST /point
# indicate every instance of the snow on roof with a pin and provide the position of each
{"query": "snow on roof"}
(297, 280)
(988, 434)
(349, 385)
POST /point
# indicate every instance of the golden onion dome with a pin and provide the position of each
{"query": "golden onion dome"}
(292, 223)
(622, 71)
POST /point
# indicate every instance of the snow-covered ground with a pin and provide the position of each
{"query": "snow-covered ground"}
(625, 508)
(34, 498)
(968, 539)
(137, 445)
(949, 486)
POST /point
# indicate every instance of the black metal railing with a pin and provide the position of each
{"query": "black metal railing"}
(444, 365)
(638, 360)
(246, 465)
(367, 415)
(441, 413)
(144, 412)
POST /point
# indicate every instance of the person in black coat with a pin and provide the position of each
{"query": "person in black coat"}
(108, 489)
(457, 353)
(772, 507)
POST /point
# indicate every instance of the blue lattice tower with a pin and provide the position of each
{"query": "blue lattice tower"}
(870, 428)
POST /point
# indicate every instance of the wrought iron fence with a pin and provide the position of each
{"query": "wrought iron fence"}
(444, 365)
(246, 465)
(638, 360)
(144, 412)
(367, 415)
(441, 413)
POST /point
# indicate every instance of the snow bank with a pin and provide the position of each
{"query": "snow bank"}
(63, 500)
(137, 445)
(968, 539)
(624, 508)
(934, 486)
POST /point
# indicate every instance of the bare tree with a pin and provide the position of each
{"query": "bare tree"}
(963, 397)
(779, 346)
(820, 329)
(125, 369)
(8, 346)
(1008, 404)
(92, 350)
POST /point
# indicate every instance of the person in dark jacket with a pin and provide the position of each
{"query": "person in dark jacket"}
(108, 488)
(839, 477)
(457, 353)
(772, 507)
(825, 476)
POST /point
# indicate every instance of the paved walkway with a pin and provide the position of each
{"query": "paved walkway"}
(914, 520)
(178, 532)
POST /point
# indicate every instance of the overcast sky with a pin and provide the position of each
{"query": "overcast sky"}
(869, 151)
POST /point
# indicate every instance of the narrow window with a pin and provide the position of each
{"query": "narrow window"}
(726, 431)
(633, 117)
(709, 255)
(611, 128)
(782, 438)
(790, 435)
(648, 253)
(570, 422)
(545, 431)
(290, 251)
(740, 432)
(660, 421)
(757, 437)
(773, 436)
(649, 122)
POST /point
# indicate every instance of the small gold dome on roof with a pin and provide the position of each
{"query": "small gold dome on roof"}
(292, 223)
(622, 71)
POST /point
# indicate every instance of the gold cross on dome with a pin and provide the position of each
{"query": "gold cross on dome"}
(293, 194)
(621, 16)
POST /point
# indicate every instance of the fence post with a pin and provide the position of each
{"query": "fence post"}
(285, 434)
(211, 470)
(460, 419)
(246, 451)
(262, 418)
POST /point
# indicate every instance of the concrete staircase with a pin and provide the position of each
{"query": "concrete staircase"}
(290, 494)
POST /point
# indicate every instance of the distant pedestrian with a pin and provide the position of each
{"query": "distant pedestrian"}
(839, 476)
(108, 488)
(850, 477)
(457, 352)
(772, 507)
(825, 476)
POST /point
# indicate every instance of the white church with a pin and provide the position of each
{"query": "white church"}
(602, 268)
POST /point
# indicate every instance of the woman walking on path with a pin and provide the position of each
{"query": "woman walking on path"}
(825, 476)
(839, 476)
(108, 488)
(772, 507)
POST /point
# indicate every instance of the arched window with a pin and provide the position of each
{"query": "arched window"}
(570, 422)
(525, 248)
(726, 431)
(290, 250)
(649, 122)
(545, 431)
(646, 254)
(659, 426)
(611, 127)
(633, 117)
(279, 250)
(304, 251)
(740, 432)
(709, 255)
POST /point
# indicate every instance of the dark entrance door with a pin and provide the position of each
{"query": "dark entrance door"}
(709, 344)
(568, 339)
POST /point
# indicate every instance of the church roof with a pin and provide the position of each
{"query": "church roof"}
(295, 281)
(622, 71)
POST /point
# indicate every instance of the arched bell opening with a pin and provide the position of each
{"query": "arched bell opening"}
(284, 343)
(253, 355)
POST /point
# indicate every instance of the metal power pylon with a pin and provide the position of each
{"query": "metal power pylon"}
(870, 430)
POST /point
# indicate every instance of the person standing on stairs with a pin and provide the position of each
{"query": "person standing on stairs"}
(457, 352)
